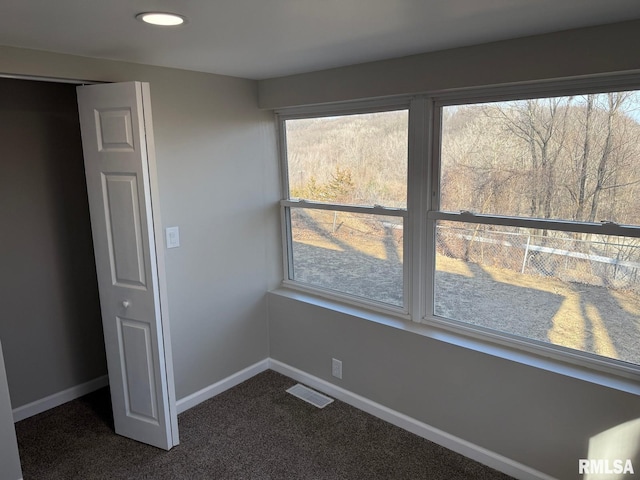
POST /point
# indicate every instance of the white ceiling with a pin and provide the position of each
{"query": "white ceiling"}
(268, 38)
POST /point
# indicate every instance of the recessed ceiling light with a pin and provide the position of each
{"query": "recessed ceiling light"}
(162, 19)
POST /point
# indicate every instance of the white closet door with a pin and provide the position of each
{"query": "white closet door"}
(118, 151)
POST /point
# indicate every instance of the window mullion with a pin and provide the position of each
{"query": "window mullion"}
(417, 193)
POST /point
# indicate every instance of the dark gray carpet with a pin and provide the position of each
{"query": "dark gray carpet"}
(253, 431)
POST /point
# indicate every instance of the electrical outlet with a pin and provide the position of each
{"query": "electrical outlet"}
(336, 368)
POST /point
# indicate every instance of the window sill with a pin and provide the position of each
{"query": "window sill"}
(474, 341)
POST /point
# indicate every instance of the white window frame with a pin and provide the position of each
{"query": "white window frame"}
(422, 211)
(433, 214)
(286, 204)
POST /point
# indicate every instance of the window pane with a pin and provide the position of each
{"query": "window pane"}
(575, 290)
(350, 253)
(571, 158)
(349, 159)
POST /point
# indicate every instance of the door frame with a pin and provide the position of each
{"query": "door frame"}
(157, 232)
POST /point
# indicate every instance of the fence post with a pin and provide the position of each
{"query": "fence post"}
(526, 252)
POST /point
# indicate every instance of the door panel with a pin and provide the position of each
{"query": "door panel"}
(136, 350)
(114, 130)
(122, 212)
(117, 141)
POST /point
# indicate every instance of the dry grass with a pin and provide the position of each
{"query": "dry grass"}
(574, 316)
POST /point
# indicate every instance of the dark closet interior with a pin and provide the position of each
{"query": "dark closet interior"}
(50, 326)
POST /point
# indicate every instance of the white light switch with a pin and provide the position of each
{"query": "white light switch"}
(173, 237)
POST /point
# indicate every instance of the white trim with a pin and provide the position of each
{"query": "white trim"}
(37, 78)
(285, 213)
(336, 296)
(458, 445)
(348, 107)
(57, 399)
(211, 391)
(552, 87)
(417, 198)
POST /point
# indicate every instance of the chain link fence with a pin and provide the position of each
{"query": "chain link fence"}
(612, 262)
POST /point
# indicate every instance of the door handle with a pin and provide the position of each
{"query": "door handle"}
(126, 304)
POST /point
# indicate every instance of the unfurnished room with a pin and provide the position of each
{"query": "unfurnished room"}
(320, 240)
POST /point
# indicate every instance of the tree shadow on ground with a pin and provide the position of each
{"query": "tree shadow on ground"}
(481, 300)
(610, 329)
(307, 222)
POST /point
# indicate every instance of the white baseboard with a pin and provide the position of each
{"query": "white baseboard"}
(211, 391)
(463, 447)
(57, 399)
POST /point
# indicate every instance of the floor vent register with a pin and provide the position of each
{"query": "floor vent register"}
(310, 396)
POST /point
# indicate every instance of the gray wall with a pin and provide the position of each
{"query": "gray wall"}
(218, 181)
(9, 458)
(50, 325)
(541, 419)
(585, 51)
(538, 418)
